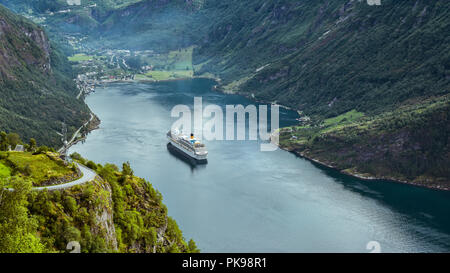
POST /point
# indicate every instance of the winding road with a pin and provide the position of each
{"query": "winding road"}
(88, 175)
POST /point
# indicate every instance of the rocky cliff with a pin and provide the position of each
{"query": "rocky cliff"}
(36, 90)
(117, 212)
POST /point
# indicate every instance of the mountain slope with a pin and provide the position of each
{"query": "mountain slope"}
(410, 144)
(329, 57)
(142, 24)
(157, 24)
(37, 94)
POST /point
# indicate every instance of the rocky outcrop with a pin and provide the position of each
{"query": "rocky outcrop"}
(105, 218)
(22, 43)
(39, 37)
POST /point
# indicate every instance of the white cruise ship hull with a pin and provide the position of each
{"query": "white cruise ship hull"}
(187, 153)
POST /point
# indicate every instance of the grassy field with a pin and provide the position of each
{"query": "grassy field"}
(348, 117)
(306, 133)
(174, 65)
(165, 75)
(39, 168)
(80, 58)
(181, 59)
(5, 172)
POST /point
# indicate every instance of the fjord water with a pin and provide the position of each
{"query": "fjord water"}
(245, 200)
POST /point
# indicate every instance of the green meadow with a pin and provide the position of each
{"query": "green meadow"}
(39, 168)
(80, 58)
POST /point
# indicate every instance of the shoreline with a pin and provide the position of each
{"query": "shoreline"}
(94, 118)
(218, 88)
(156, 81)
(361, 176)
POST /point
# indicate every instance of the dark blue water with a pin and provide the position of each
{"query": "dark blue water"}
(245, 200)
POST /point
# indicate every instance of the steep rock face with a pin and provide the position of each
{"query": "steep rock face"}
(82, 213)
(18, 45)
(105, 217)
(38, 36)
(21, 44)
(116, 212)
(35, 95)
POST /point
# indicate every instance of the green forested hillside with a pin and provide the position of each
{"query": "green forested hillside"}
(329, 57)
(37, 93)
(411, 143)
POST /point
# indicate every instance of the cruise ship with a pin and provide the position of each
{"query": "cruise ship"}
(188, 146)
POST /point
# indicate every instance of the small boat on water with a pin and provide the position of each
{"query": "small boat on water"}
(188, 146)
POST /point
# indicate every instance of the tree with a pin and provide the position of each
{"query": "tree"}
(13, 139)
(32, 144)
(192, 247)
(71, 233)
(27, 170)
(42, 150)
(70, 203)
(78, 157)
(92, 165)
(173, 248)
(126, 169)
(3, 142)
(18, 231)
